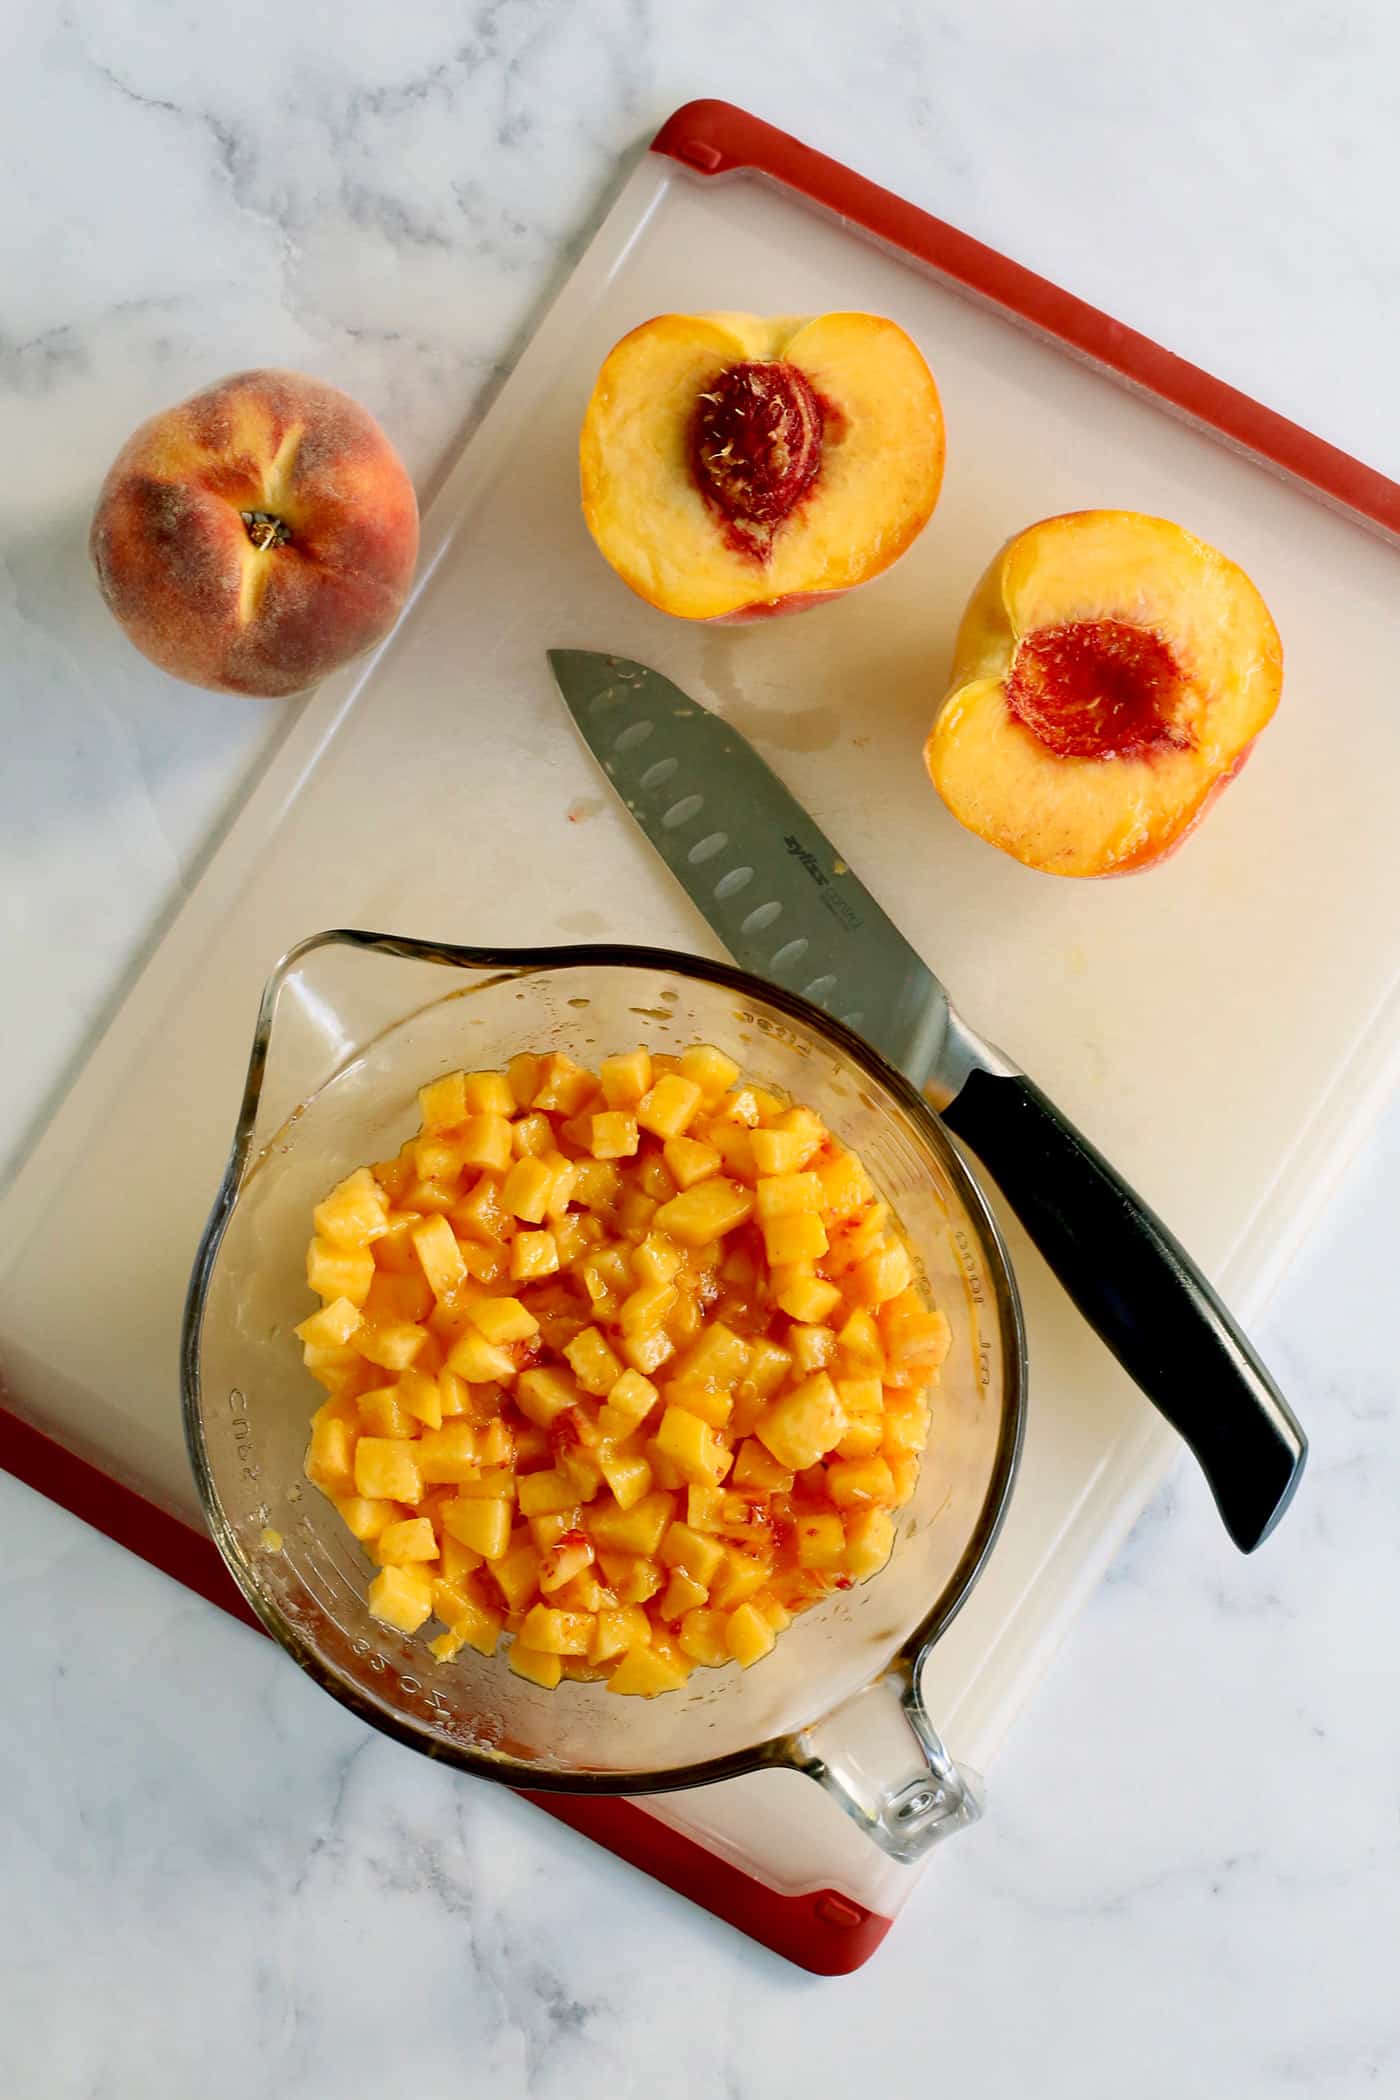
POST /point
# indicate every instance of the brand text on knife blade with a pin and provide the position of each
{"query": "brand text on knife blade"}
(835, 903)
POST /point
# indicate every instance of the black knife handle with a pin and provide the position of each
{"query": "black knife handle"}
(1142, 1293)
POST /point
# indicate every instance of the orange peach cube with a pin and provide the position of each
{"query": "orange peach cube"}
(483, 1526)
(821, 1540)
(712, 1071)
(336, 1271)
(449, 1455)
(563, 1085)
(363, 1519)
(437, 1248)
(617, 1630)
(706, 1212)
(533, 1255)
(628, 1476)
(748, 1635)
(625, 1079)
(387, 1470)
(692, 1447)
(638, 1530)
(546, 1493)
(526, 1189)
(700, 1555)
(480, 1362)
(869, 1542)
(682, 1594)
(779, 1151)
(332, 1326)
(532, 1664)
(613, 1134)
(799, 1237)
(689, 1160)
(786, 1195)
(804, 1423)
(401, 1597)
(355, 1212)
(592, 1361)
(809, 1298)
(412, 1538)
(667, 1107)
(646, 1671)
(557, 1632)
(503, 1320)
(703, 1636)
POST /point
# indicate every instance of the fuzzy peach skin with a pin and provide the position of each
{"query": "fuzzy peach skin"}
(734, 467)
(257, 536)
(1110, 676)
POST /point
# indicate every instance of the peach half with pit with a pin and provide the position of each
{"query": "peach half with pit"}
(1110, 675)
(733, 467)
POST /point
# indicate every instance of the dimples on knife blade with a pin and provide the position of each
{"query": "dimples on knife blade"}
(763, 876)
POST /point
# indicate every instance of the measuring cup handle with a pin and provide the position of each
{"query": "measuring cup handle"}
(882, 1759)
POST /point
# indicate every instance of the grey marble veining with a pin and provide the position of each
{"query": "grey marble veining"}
(211, 1879)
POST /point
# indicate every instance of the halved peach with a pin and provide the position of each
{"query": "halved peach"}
(734, 467)
(1110, 675)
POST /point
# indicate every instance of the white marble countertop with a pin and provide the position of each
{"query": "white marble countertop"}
(212, 1880)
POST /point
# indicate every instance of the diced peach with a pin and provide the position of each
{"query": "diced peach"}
(648, 1352)
(533, 1255)
(632, 1581)
(492, 1484)
(681, 1594)
(629, 1403)
(647, 1672)
(436, 1246)
(354, 1213)
(541, 1494)
(786, 1196)
(692, 1447)
(483, 1526)
(756, 1469)
(809, 1298)
(613, 1134)
(386, 1470)
(697, 1398)
(382, 1412)
(689, 1160)
(768, 1365)
(330, 1458)
(862, 1353)
(503, 1320)
(362, 1518)
(700, 1555)
(628, 1477)
(480, 1362)
(332, 1326)
(532, 1664)
(667, 1108)
(799, 1237)
(748, 1635)
(412, 1538)
(449, 1455)
(804, 1423)
(525, 1191)
(544, 1392)
(625, 1079)
(779, 1151)
(420, 1397)
(734, 1145)
(739, 1576)
(617, 1630)
(334, 1271)
(557, 1632)
(706, 1212)
(516, 1573)
(860, 1483)
(821, 1540)
(704, 1637)
(563, 1085)
(813, 1349)
(869, 1542)
(401, 1597)
(638, 1530)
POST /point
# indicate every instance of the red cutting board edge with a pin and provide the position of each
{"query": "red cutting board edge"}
(823, 1930)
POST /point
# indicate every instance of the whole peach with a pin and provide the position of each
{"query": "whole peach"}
(257, 536)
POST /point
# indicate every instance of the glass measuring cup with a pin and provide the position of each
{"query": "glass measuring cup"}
(351, 1025)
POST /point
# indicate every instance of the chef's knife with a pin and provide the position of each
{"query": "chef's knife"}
(788, 908)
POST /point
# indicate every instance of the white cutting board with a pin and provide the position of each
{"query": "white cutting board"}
(1222, 1026)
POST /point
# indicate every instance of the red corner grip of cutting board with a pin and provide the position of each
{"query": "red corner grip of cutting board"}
(716, 139)
(824, 1931)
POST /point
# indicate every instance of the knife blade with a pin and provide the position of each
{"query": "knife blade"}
(762, 874)
(788, 907)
